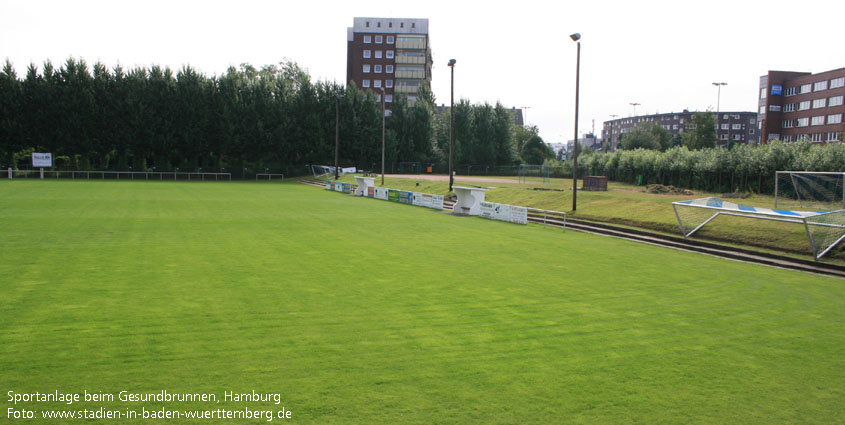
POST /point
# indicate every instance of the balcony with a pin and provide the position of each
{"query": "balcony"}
(410, 44)
(415, 60)
(406, 89)
(414, 75)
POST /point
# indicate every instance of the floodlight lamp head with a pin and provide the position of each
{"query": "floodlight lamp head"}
(575, 37)
(452, 62)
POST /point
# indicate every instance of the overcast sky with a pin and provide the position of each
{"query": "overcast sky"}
(661, 54)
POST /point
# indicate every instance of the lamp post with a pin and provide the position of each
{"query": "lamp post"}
(382, 134)
(718, 101)
(610, 132)
(452, 125)
(576, 38)
(635, 104)
(336, 135)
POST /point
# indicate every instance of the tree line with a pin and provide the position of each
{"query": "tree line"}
(95, 118)
(743, 168)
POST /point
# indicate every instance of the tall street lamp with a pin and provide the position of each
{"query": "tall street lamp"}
(718, 101)
(382, 134)
(635, 104)
(576, 38)
(452, 125)
(336, 135)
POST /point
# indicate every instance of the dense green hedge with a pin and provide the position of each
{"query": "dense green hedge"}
(743, 168)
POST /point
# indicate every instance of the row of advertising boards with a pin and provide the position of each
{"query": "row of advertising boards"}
(393, 195)
(491, 210)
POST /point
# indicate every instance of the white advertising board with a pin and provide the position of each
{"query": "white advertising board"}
(42, 159)
(381, 193)
(417, 199)
(503, 212)
(437, 202)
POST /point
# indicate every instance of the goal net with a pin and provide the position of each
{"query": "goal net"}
(410, 167)
(809, 190)
(534, 171)
(825, 229)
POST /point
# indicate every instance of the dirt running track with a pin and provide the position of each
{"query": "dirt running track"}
(442, 178)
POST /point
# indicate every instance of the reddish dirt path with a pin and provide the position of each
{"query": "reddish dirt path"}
(442, 178)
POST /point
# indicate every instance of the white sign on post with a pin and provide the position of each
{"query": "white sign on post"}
(42, 159)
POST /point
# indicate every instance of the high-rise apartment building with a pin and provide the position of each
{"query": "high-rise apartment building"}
(389, 56)
(798, 105)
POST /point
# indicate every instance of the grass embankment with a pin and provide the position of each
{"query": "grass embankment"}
(630, 205)
(361, 311)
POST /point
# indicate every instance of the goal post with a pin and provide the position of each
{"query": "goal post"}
(810, 190)
(539, 171)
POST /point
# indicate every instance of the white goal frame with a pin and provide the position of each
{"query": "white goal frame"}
(835, 175)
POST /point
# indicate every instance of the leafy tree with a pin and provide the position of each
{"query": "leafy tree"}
(702, 133)
(648, 135)
(536, 151)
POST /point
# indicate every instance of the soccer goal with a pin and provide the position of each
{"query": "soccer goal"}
(322, 171)
(410, 167)
(809, 190)
(825, 229)
(538, 171)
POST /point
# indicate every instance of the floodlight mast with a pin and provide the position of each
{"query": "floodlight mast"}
(576, 38)
(451, 124)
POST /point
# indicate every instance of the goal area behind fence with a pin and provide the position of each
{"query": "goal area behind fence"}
(809, 190)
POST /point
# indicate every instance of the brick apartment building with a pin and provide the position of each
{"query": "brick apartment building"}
(796, 105)
(389, 56)
(736, 127)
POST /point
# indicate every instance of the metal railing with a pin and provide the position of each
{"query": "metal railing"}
(120, 175)
(269, 176)
(538, 216)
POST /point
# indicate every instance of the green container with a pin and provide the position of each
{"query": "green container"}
(640, 179)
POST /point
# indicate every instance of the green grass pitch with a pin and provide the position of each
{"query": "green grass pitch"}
(364, 311)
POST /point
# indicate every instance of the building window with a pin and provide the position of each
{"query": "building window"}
(413, 25)
(401, 25)
(378, 69)
(802, 122)
(723, 137)
(726, 126)
(790, 91)
(737, 137)
(817, 137)
(389, 69)
(674, 126)
(804, 105)
(368, 24)
(736, 127)
(388, 98)
(388, 54)
(786, 124)
(751, 131)
(366, 84)
(837, 82)
(834, 119)
(377, 83)
(832, 136)
(763, 93)
(821, 85)
(724, 117)
(819, 103)
(367, 54)
(368, 39)
(378, 39)
(378, 54)
(752, 121)
(805, 88)
(762, 110)
(366, 69)
(378, 24)
(817, 120)
(789, 107)
(388, 84)
(389, 39)
(835, 101)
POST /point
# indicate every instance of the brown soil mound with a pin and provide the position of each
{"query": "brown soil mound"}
(667, 190)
